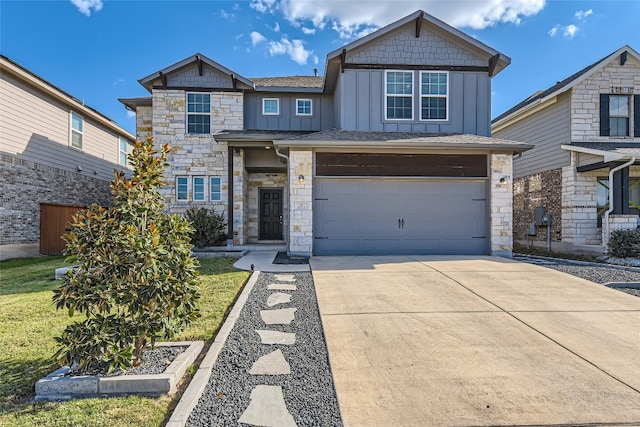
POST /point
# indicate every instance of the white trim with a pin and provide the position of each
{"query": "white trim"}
(298, 113)
(386, 94)
(188, 188)
(609, 156)
(421, 96)
(277, 113)
(193, 113)
(72, 130)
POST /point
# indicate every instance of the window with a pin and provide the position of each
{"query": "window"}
(602, 193)
(615, 115)
(214, 188)
(76, 131)
(198, 113)
(182, 188)
(303, 107)
(399, 95)
(619, 116)
(198, 188)
(122, 151)
(270, 106)
(433, 96)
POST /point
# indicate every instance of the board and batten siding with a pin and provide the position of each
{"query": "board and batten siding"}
(546, 129)
(36, 127)
(363, 101)
(322, 117)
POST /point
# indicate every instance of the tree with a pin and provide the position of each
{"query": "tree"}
(136, 276)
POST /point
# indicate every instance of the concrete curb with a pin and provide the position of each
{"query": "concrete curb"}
(199, 381)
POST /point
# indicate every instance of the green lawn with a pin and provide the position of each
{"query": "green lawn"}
(29, 321)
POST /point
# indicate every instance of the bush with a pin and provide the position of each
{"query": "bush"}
(136, 279)
(625, 244)
(210, 227)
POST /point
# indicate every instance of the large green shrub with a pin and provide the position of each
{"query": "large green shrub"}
(209, 227)
(625, 244)
(136, 276)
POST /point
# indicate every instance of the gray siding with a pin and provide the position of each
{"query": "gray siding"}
(547, 129)
(35, 127)
(362, 108)
(322, 117)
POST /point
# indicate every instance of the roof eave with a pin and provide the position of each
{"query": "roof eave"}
(291, 143)
(608, 156)
(288, 89)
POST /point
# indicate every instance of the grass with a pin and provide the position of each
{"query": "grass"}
(29, 323)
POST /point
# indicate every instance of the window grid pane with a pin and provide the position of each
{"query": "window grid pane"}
(182, 189)
(399, 83)
(198, 188)
(76, 122)
(76, 139)
(198, 124)
(215, 188)
(434, 108)
(304, 107)
(270, 106)
(198, 113)
(398, 107)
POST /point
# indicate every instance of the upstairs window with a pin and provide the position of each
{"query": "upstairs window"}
(214, 188)
(198, 113)
(615, 115)
(303, 107)
(270, 106)
(122, 151)
(433, 96)
(619, 116)
(398, 95)
(77, 124)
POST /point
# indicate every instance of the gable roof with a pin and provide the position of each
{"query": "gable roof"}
(419, 17)
(289, 83)
(147, 82)
(8, 66)
(564, 85)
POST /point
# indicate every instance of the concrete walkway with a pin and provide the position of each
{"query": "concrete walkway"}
(263, 261)
(420, 340)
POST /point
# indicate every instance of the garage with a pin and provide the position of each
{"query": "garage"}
(400, 204)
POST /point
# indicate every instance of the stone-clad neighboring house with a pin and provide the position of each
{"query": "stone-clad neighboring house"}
(586, 132)
(388, 153)
(53, 150)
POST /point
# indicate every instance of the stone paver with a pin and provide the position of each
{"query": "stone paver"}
(281, 287)
(273, 363)
(267, 408)
(278, 298)
(285, 277)
(282, 316)
(276, 337)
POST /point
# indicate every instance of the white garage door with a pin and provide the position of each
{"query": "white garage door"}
(375, 216)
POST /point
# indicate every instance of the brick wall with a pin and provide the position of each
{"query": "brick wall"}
(541, 189)
(24, 185)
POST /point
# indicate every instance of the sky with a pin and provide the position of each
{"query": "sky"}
(97, 50)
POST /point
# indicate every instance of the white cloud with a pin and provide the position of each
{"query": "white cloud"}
(582, 14)
(294, 48)
(85, 6)
(570, 31)
(354, 18)
(276, 28)
(308, 31)
(316, 61)
(117, 82)
(131, 114)
(227, 15)
(554, 31)
(256, 38)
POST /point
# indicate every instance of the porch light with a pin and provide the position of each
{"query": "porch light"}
(503, 180)
(301, 179)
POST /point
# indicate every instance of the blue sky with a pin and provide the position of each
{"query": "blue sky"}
(98, 49)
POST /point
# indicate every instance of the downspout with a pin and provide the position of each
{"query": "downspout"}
(608, 211)
(279, 154)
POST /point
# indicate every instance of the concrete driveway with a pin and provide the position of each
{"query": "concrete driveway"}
(449, 341)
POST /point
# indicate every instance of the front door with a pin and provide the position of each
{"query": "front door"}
(270, 214)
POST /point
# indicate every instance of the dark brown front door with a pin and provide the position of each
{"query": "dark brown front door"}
(270, 214)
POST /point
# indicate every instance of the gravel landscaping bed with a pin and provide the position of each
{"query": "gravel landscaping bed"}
(308, 391)
(153, 361)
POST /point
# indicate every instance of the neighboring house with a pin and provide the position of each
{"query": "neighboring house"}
(586, 132)
(388, 153)
(53, 150)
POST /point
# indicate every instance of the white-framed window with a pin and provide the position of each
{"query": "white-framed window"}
(398, 88)
(434, 95)
(303, 107)
(182, 189)
(122, 151)
(618, 115)
(199, 190)
(76, 130)
(198, 113)
(215, 189)
(270, 106)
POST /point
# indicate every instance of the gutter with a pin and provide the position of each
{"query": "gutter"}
(608, 211)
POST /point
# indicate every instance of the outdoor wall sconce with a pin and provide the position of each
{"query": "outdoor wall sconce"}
(503, 180)
(301, 179)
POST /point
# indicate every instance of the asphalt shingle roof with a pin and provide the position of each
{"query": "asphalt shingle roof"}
(289, 81)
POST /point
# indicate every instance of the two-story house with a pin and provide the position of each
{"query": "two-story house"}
(388, 153)
(584, 167)
(54, 151)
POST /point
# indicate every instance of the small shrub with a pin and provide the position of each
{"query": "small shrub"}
(210, 227)
(625, 244)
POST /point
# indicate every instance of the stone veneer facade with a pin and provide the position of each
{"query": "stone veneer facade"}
(501, 200)
(301, 202)
(24, 185)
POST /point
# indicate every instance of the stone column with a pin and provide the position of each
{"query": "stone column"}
(579, 207)
(501, 199)
(239, 192)
(300, 203)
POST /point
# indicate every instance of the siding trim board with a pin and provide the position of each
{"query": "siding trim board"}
(426, 67)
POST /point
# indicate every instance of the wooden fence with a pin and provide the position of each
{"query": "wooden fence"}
(54, 220)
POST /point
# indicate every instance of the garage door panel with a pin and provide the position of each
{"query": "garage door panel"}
(362, 217)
